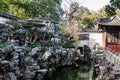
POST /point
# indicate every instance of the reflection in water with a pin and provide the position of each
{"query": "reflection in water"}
(73, 73)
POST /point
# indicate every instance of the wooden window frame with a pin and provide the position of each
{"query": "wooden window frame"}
(113, 37)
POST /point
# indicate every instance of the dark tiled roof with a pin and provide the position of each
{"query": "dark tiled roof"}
(112, 21)
(90, 30)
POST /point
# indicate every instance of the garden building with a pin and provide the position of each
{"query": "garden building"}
(111, 32)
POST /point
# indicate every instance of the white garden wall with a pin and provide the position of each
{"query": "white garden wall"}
(94, 37)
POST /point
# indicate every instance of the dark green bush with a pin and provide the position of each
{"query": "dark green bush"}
(2, 45)
(32, 24)
(32, 45)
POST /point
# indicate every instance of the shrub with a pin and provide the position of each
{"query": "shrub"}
(14, 23)
(32, 45)
(2, 45)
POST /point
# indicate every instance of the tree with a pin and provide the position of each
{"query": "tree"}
(115, 4)
(81, 12)
(110, 10)
(112, 7)
(89, 20)
(73, 8)
(4, 6)
(50, 9)
(102, 12)
(72, 29)
(71, 26)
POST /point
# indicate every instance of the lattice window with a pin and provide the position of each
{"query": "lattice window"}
(113, 37)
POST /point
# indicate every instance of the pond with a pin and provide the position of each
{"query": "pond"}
(83, 72)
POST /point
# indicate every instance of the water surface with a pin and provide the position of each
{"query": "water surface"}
(83, 72)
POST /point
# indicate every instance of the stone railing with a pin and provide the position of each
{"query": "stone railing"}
(113, 58)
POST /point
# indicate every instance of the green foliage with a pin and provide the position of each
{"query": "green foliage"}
(32, 24)
(2, 45)
(32, 45)
(81, 11)
(41, 54)
(73, 7)
(61, 25)
(3, 6)
(33, 8)
(14, 23)
(48, 9)
(67, 41)
(112, 7)
(115, 3)
(110, 10)
(102, 12)
(17, 11)
(82, 15)
(87, 22)
(69, 44)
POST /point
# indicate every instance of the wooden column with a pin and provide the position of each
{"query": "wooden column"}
(104, 43)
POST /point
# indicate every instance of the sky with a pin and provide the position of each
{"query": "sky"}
(90, 4)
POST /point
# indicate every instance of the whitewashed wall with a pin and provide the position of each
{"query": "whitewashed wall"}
(83, 42)
(94, 37)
